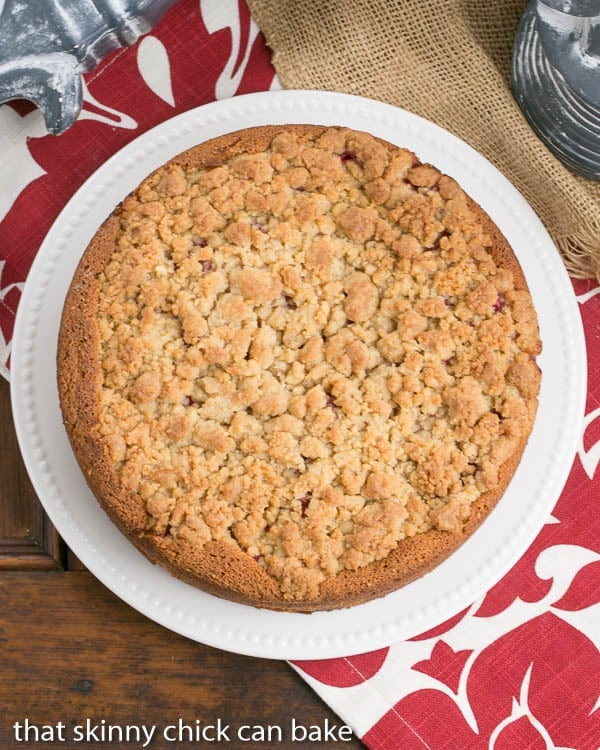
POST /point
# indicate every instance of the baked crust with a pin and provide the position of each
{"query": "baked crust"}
(452, 226)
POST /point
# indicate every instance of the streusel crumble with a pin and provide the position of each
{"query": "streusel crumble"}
(297, 366)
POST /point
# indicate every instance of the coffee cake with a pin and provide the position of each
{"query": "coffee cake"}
(297, 366)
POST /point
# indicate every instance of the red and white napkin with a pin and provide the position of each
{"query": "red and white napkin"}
(517, 670)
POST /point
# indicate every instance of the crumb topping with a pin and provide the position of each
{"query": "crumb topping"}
(309, 352)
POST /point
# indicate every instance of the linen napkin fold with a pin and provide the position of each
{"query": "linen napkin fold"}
(448, 61)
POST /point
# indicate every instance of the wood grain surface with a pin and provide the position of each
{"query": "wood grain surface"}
(71, 651)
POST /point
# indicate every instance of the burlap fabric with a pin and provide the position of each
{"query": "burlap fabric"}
(448, 61)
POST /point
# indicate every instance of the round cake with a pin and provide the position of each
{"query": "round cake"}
(297, 366)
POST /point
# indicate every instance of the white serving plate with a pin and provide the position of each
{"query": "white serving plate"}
(443, 592)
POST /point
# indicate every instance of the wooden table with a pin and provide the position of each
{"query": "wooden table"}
(71, 651)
